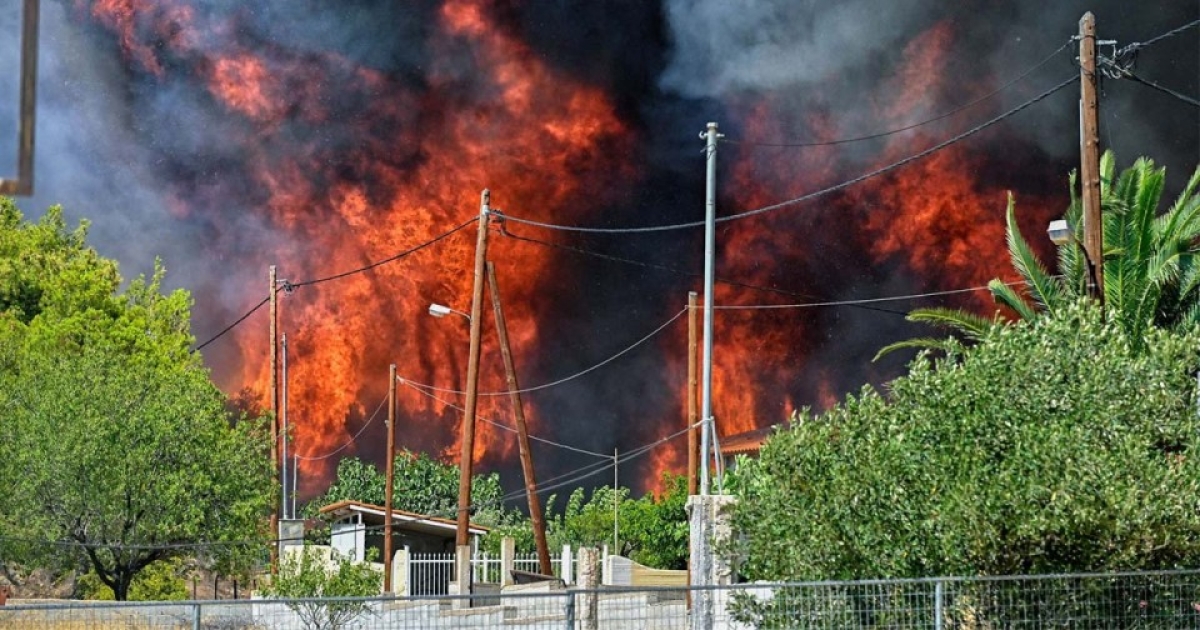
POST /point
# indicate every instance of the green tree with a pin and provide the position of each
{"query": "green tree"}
(159, 582)
(653, 529)
(1151, 264)
(421, 484)
(115, 446)
(309, 573)
(1054, 444)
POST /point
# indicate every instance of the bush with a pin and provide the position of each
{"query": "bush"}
(1055, 445)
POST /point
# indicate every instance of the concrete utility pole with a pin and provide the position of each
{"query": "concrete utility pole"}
(389, 486)
(274, 403)
(1089, 150)
(692, 415)
(710, 253)
(510, 371)
(616, 504)
(462, 538)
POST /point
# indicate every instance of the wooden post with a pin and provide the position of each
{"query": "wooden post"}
(1089, 149)
(274, 326)
(390, 484)
(693, 382)
(23, 184)
(463, 534)
(510, 370)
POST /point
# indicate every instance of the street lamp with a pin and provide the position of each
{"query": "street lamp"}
(441, 310)
(1060, 233)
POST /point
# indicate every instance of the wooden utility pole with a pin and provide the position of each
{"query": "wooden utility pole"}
(693, 440)
(510, 371)
(462, 537)
(390, 484)
(1089, 150)
(23, 184)
(274, 326)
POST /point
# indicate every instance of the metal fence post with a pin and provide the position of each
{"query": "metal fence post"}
(569, 612)
(938, 599)
(196, 616)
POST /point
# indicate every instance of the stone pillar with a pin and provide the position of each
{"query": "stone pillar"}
(588, 579)
(508, 556)
(400, 573)
(462, 575)
(710, 529)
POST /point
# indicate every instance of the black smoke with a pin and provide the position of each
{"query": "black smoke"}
(130, 149)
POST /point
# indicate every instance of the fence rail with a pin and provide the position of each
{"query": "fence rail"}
(1148, 600)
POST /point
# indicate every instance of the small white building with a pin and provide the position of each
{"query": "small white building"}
(357, 527)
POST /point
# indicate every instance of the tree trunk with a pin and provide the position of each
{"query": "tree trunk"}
(121, 584)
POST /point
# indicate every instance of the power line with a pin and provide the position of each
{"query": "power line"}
(890, 298)
(680, 272)
(884, 134)
(504, 426)
(353, 439)
(289, 286)
(1164, 89)
(809, 196)
(560, 381)
(1135, 46)
(550, 484)
(233, 325)
(387, 260)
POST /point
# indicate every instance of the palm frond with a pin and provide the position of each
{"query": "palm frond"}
(971, 326)
(922, 343)
(1043, 287)
(1005, 295)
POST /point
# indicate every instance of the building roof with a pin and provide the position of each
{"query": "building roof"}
(745, 443)
(400, 518)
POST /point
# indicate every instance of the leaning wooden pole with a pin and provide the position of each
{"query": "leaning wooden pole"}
(510, 371)
(274, 349)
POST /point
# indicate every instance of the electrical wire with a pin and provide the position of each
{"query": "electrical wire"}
(554, 383)
(1162, 88)
(681, 272)
(550, 484)
(235, 324)
(352, 439)
(890, 298)
(809, 196)
(1135, 46)
(504, 426)
(884, 134)
(368, 267)
(289, 286)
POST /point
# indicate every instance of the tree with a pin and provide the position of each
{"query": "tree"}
(115, 448)
(309, 573)
(1151, 262)
(1055, 444)
(421, 484)
(653, 529)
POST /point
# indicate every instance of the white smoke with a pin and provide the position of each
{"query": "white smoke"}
(726, 45)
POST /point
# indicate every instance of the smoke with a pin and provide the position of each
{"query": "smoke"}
(376, 105)
(722, 47)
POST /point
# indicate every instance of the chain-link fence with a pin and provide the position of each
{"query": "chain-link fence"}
(1146, 600)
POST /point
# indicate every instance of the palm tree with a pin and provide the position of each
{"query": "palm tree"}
(1151, 262)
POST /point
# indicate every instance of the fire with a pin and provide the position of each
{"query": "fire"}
(934, 220)
(417, 158)
(341, 164)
